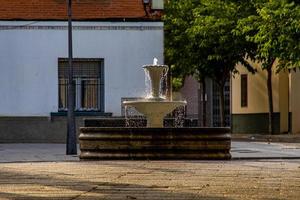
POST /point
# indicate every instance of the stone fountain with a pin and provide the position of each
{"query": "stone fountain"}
(101, 139)
(155, 107)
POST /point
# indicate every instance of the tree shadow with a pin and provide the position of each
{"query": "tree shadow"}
(143, 165)
(90, 189)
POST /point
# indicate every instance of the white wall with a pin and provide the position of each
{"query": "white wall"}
(29, 56)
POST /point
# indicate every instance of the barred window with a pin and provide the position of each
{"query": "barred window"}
(88, 77)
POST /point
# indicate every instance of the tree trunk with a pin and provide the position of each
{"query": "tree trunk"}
(222, 103)
(203, 83)
(199, 106)
(270, 98)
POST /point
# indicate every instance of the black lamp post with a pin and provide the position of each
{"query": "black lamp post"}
(71, 127)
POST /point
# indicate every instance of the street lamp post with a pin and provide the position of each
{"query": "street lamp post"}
(71, 148)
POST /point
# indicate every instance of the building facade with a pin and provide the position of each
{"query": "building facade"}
(192, 93)
(111, 41)
(250, 101)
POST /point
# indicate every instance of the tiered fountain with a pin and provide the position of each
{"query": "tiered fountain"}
(153, 141)
(155, 107)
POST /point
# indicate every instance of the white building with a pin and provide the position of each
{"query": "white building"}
(111, 41)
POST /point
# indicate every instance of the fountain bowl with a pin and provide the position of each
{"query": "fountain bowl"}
(154, 110)
(165, 67)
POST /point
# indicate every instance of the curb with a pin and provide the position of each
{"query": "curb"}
(267, 158)
(266, 138)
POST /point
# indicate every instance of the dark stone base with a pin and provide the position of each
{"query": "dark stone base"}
(154, 143)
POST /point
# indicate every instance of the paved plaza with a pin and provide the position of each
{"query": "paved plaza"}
(42, 171)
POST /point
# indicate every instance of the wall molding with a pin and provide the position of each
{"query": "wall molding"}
(83, 28)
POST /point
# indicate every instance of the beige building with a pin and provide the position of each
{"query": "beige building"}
(250, 101)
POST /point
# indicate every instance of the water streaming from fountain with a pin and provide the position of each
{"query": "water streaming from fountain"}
(179, 116)
(133, 118)
(162, 85)
(147, 84)
(155, 106)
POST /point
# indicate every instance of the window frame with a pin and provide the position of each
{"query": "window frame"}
(244, 90)
(101, 88)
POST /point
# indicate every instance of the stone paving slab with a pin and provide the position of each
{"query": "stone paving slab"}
(151, 180)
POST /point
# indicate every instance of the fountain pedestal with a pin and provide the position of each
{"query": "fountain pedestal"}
(154, 121)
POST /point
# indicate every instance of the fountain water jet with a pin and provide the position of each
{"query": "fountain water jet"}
(155, 107)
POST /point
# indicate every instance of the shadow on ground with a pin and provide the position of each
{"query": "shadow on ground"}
(20, 185)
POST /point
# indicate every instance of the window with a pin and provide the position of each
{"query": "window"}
(88, 77)
(244, 90)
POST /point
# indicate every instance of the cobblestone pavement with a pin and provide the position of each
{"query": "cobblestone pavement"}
(129, 180)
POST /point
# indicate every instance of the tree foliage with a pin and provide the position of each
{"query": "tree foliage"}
(208, 38)
(275, 30)
(199, 36)
(200, 41)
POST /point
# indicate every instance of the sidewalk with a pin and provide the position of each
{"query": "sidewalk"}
(56, 152)
(286, 138)
(34, 153)
(265, 150)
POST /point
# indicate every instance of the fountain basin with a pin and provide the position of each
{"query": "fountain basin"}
(155, 141)
(154, 110)
(101, 143)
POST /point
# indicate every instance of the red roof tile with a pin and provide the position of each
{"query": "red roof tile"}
(82, 9)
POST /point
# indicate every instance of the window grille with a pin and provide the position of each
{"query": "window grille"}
(89, 84)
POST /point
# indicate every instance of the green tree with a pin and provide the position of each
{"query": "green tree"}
(179, 51)
(200, 40)
(275, 30)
